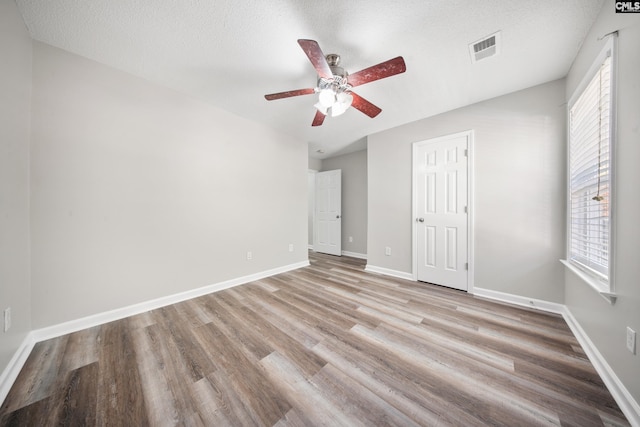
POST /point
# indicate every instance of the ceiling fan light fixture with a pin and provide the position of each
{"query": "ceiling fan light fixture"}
(333, 95)
(344, 98)
(337, 110)
(324, 110)
(342, 104)
(327, 97)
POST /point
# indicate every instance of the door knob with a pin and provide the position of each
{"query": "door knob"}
(420, 219)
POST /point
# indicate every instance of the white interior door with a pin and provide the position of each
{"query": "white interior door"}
(328, 216)
(441, 205)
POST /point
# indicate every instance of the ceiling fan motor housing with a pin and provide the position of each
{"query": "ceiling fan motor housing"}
(333, 59)
(338, 83)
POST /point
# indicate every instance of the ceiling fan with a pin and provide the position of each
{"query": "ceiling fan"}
(334, 83)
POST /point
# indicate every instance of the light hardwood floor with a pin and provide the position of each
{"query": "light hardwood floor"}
(328, 344)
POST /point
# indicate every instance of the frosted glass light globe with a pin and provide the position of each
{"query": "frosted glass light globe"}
(327, 98)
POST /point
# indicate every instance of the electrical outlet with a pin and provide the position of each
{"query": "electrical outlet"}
(290, 247)
(631, 340)
(249, 256)
(387, 251)
(7, 318)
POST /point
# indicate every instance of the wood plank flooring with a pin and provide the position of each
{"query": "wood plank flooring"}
(328, 344)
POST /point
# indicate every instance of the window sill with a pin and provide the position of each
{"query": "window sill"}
(591, 281)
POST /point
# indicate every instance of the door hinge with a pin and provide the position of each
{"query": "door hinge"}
(466, 266)
(466, 152)
(466, 209)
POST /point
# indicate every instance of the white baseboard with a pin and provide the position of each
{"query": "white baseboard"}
(623, 398)
(551, 307)
(389, 272)
(120, 313)
(354, 254)
(18, 360)
(16, 363)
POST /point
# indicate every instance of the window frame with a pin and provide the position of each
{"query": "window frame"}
(604, 284)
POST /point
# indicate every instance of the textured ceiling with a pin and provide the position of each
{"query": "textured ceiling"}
(232, 52)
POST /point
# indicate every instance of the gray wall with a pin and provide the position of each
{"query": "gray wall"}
(139, 192)
(15, 90)
(604, 323)
(315, 164)
(519, 190)
(354, 198)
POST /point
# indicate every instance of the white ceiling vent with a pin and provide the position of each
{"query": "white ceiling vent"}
(486, 47)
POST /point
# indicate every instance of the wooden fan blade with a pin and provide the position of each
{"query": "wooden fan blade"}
(318, 119)
(384, 69)
(289, 94)
(317, 58)
(359, 103)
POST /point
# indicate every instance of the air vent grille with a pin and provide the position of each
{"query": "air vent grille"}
(485, 48)
(485, 44)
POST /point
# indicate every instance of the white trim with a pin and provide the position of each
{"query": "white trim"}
(16, 363)
(542, 305)
(354, 254)
(630, 408)
(609, 49)
(310, 247)
(388, 272)
(312, 197)
(591, 281)
(120, 313)
(470, 204)
(471, 212)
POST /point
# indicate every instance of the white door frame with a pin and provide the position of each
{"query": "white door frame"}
(470, 203)
(311, 206)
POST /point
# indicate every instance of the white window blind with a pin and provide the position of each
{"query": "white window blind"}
(590, 174)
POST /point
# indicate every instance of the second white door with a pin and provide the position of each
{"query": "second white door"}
(441, 210)
(328, 237)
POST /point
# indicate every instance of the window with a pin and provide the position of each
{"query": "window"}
(591, 129)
